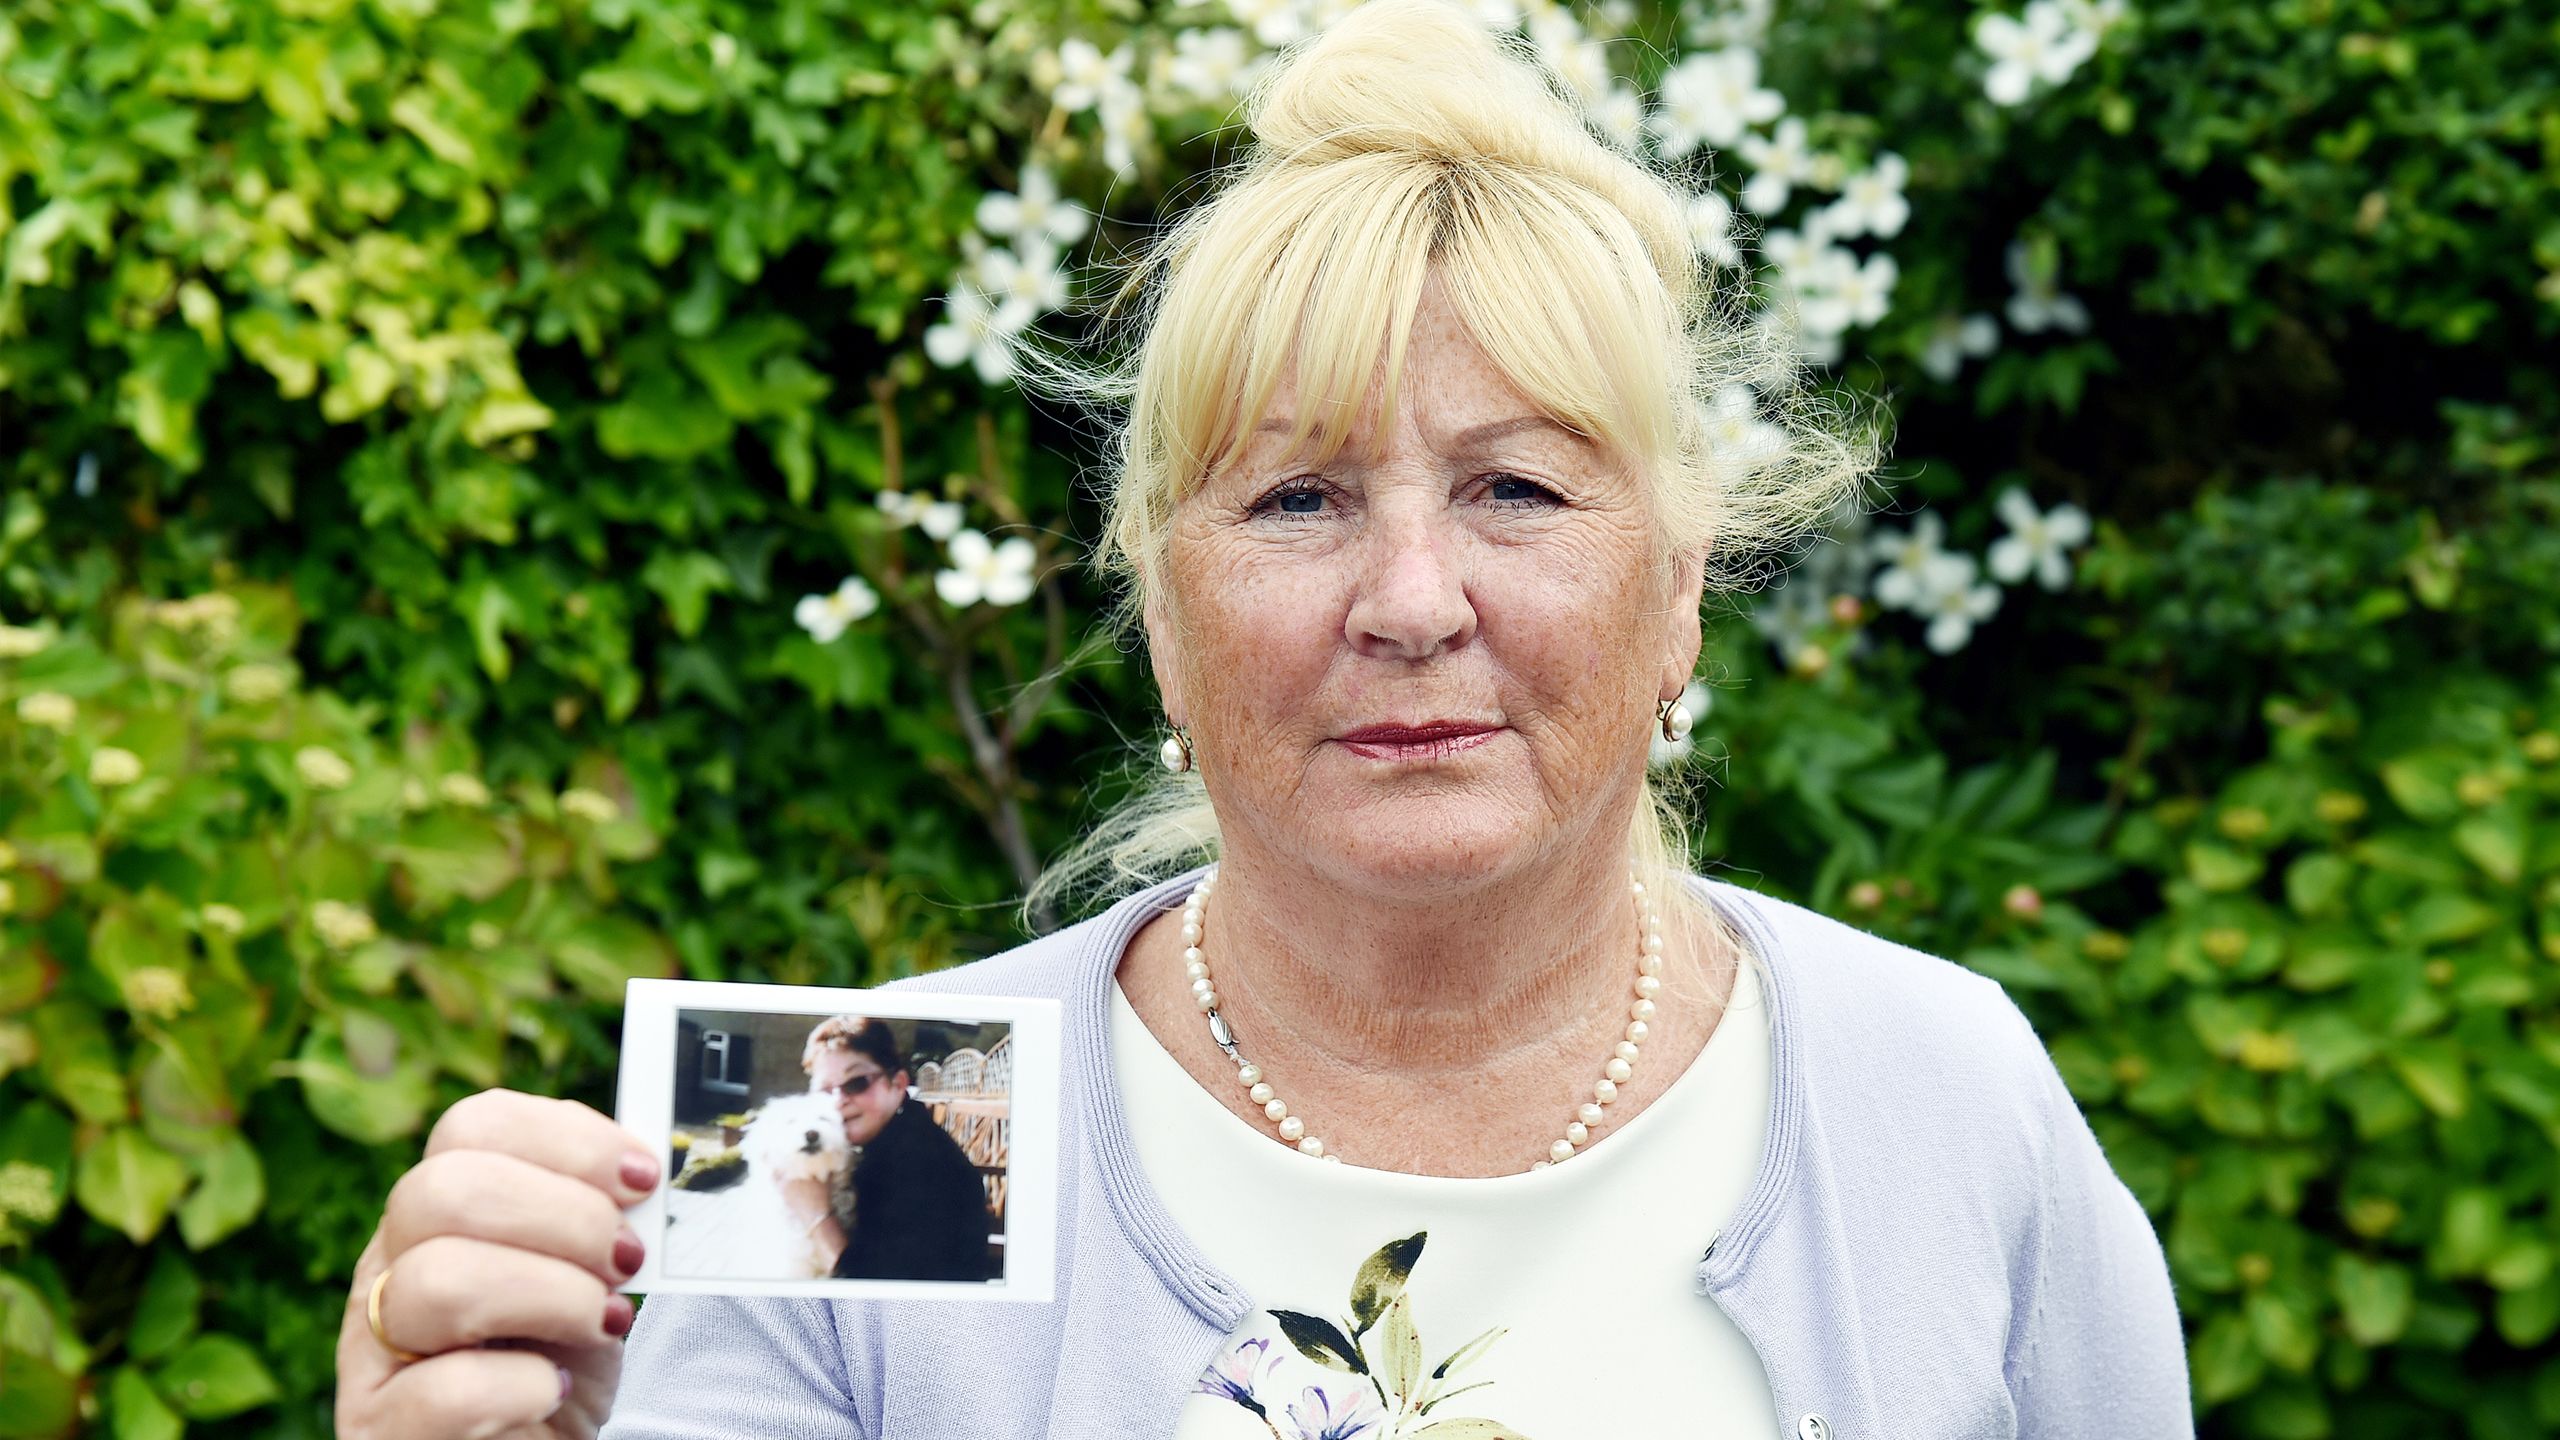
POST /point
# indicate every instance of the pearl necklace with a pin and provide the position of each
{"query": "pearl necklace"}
(1577, 1133)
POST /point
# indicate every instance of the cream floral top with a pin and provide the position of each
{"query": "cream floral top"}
(1550, 1305)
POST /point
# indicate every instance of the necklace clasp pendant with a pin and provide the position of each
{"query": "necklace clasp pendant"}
(1225, 1037)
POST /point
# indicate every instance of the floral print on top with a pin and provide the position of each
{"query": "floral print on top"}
(1379, 1390)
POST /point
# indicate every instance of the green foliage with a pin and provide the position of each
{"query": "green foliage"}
(218, 890)
(514, 368)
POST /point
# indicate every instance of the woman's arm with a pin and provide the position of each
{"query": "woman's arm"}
(2096, 1348)
(812, 1208)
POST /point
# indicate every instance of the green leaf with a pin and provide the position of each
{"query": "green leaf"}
(128, 1182)
(2218, 867)
(125, 938)
(183, 1094)
(2375, 1298)
(373, 1109)
(1381, 1278)
(39, 1136)
(686, 581)
(1319, 1340)
(2475, 1223)
(662, 419)
(2224, 1359)
(2496, 843)
(79, 1062)
(450, 854)
(231, 1186)
(1399, 1350)
(2441, 917)
(166, 1313)
(2526, 1318)
(603, 953)
(2435, 1072)
(136, 1412)
(2316, 885)
(214, 1377)
(2286, 1331)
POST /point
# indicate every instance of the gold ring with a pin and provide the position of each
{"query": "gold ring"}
(373, 1318)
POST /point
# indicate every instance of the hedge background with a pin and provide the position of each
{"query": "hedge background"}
(419, 425)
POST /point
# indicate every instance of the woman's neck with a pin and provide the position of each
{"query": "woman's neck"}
(1444, 985)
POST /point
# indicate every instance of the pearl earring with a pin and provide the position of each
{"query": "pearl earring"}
(1675, 719)
(1175, 752)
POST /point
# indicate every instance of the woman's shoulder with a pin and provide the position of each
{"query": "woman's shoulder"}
(1864, 1004)
(1054, 965)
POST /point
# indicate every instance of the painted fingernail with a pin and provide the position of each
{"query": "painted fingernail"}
(628, 1252)
(618, 1315)
(639, 1171)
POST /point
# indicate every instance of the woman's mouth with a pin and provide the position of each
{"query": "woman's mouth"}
(1432, 740)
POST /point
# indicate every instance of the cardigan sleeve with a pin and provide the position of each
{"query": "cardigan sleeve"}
(700, 1366)
(2099, 1354)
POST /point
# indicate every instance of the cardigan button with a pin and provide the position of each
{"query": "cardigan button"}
(1812, 1428)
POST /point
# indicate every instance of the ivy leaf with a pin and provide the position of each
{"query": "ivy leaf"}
(230, 1189)
(452, 853)
(216, 1376)
(136, 1412)
(1382, 1277)
(686, 581)
(128, 1182)
(1321, 1341)
(2374, 1298)
(166, 1313)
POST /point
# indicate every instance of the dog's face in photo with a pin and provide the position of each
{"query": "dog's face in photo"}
(797, 1137)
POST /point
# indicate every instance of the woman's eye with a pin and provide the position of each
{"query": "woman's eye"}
(1514, 490)
(1301, 502)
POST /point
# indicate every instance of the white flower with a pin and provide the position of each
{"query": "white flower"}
(1711, 228)
(1033, 276)
(724, 49)
(49, 710)
(1273, 22)
(18, 641)
(1805, 256)
(1851, 292)
(2039, 303)
(1084, 72)
(223, 919)
(157, 991)
(593, 806)
(1871, 201)
(1210, 64)
(1672, 752)
(1907, 556)
(1732, 22)
(463, 789)
(112, 765)
(342, 926)
(2037, 541)
(255, 683)
(977, 329)
(322, 768)
(1952, 601)
(2045, 46)
(940, 518)
(1778, 164)
(1619, 117)
(1736, 435)
(1954, 337)
(1711, 99)
(1580, 62)
(2096, 17)
(1123, 110)
(982, 570)
(1037, 214)
(826, 616)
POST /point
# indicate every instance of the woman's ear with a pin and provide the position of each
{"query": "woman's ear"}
(1686, 632)
(1160, 657)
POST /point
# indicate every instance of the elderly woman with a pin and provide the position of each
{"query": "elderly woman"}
(1446, 1103)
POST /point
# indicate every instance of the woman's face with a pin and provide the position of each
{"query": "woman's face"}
(1434, 660)
(839, 1072)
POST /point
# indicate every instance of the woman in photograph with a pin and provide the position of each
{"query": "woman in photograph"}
(919, 1208)
(1447, 1101)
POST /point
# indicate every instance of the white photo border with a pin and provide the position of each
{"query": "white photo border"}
(645, 1105)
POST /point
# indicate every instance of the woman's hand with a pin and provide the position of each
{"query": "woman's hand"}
(502, 1246)
(812, 1208)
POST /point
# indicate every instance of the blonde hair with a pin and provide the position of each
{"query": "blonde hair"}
(1408, 140)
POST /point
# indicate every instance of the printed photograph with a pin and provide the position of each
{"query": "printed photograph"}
(844, 1146)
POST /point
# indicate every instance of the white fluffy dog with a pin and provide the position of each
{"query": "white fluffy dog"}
(793, 1137)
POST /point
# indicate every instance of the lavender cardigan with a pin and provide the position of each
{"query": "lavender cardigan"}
(1934, 1247)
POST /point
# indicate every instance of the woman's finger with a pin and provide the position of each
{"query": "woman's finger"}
(460, 1395)
(560, 1135)
(493, 1196)
(449, 1291)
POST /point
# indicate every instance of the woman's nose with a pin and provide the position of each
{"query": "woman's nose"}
(1412, 602)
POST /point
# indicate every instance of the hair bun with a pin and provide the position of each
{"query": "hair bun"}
(1417, 77)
